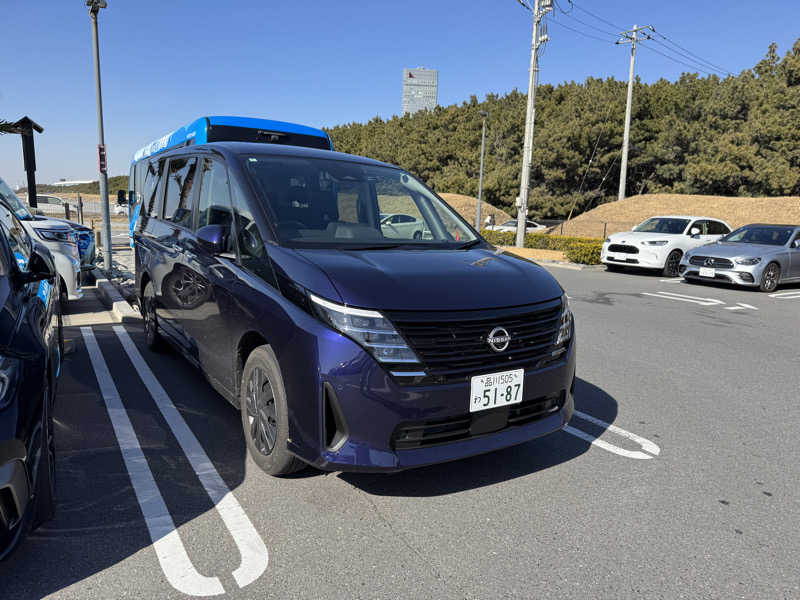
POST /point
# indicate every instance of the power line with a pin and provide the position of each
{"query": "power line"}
(591, 14)
(583, 33)
(589, 25)
(702, 60)
(672, 58)
(699, 64)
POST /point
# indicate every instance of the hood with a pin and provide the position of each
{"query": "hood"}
(735, 249)
(66, 222)
(432, 279)
(48, 223)
(633, 237)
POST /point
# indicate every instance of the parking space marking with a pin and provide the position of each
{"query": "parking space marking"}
(672, 280)
(169, 548)
(790, 295)
(685, 298)
(254, 555)
(646, 445)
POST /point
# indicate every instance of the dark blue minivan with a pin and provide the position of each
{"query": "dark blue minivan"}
(357, 321)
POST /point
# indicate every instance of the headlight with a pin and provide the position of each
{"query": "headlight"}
(748, 261)
(65, 236)
(367, 327)
(656, 243)
(565, 325)
(9, 373)
(608, 241)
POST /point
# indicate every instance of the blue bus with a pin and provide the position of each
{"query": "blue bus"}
(218, 129)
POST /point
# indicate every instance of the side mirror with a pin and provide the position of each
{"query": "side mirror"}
(694, 231)
(796, 243)
(213, 238)
(39, 267)
(122, 197)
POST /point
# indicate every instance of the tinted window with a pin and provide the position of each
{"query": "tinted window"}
(755, 234)
(153, 173)
(18, 240)
(658, 225)
(178, 195)
(717, 228)
(214, 206)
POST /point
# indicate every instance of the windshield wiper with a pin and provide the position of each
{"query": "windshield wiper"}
(376, 247)
(469, 244)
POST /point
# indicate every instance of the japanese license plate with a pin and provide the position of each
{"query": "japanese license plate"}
(496, 389)
(707, 272)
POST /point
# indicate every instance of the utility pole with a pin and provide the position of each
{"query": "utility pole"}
(631, 36)
(539, 10)
(94, 8)
(484, 114)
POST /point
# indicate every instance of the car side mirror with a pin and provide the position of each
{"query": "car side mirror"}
(39, 268)
(122, 197)
(694, 231)
(213, 238)
(796, 243)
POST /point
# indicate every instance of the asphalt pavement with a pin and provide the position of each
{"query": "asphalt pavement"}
(678, 477)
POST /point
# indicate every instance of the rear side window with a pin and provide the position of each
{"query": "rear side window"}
(181, 174)
(214, 206)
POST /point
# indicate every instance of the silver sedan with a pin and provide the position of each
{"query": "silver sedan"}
(762, 256)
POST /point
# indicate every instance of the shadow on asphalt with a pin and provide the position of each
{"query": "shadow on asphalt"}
(496, 467)
(98, 522)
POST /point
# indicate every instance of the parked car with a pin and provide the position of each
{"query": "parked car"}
(85, 240)
(530, 226)
(402, 226)
(757, 255)
(267, 266)
(59, 238)
(30, 354)
(660, 242)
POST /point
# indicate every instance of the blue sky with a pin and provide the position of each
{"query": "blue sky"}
(318, 62)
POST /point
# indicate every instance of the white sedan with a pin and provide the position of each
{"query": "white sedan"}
(400, 226)
(660, 242)
(530, 226)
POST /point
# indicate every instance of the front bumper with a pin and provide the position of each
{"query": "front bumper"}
(359, 410)
(646, 258)
(742, 275)
(14, 487)
(69, 268)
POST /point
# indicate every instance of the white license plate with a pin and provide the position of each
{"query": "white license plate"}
(706, 272)
(496, 389)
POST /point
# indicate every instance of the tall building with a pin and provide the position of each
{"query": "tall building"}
(420, 89)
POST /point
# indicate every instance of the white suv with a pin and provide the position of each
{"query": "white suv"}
(56, 235)
(660, 242)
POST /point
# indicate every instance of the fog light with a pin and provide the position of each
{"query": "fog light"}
(746, 277)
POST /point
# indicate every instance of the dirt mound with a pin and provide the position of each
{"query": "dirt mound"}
(621, 216)
(466, 207)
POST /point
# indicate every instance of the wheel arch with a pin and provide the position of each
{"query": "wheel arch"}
(249, 341)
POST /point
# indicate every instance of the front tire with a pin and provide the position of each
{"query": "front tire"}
(152, 337)
(672, 263)
(770, 278)
(265, 414)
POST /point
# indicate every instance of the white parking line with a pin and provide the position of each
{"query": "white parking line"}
(685, 298)
(791, 295)
(171, 553)
(645, 444)
(672, 280)
(254, 556)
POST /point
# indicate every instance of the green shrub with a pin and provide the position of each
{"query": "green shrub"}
(585, 253)
(575, 249)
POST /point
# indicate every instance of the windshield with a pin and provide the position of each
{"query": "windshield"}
(337, 204)
(661, 225)
(771, 236)
(9, 198)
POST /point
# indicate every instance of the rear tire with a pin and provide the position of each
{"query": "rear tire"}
(672, 263)
(265, 414)
(152, 337)
(45, 502)
(770, 278)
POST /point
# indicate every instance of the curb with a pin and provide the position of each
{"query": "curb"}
(113, 300)
(569, 265)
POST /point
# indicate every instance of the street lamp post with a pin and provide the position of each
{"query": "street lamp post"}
(94, 8)
(484, 114)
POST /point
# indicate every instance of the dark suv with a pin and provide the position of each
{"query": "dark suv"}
(347, 342)
(30, 354)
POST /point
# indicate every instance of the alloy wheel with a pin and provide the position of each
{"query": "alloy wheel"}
(771, 278)
(673, 260)
(261, 415)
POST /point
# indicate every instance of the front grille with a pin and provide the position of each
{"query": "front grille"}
(710, 261)
(623, 249)
(421, 434)
(452, 345)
